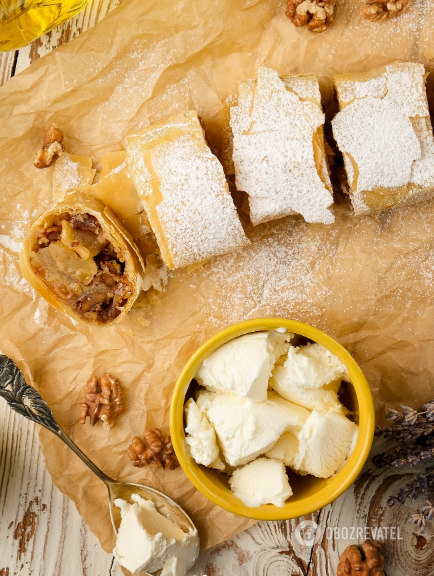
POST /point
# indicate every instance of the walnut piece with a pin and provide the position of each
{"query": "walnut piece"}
(52, 147)
(105, 404)
(155, 449)
(316, 14)
(352, 563)
(377, 10)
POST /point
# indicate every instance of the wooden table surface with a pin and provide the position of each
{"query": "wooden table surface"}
(42, 534)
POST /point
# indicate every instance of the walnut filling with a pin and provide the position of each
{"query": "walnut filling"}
(74, 258)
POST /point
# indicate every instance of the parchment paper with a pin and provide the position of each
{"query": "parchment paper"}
(367, 281)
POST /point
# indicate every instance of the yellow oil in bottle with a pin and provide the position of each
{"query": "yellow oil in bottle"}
(22, 21)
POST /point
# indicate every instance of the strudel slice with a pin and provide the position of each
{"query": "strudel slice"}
(279, 149)
(384, 132)
(184, 191)
(83, 262)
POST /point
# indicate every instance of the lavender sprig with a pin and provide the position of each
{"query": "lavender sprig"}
(413, 434)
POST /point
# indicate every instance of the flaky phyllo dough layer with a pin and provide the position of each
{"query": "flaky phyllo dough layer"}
(80, 259)
(385, 135)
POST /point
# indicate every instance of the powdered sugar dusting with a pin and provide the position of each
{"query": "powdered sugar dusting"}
(381, 139)
(197, 213)
(273, 153)
(386, 129)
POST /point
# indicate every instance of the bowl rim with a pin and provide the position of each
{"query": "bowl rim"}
(330, 491)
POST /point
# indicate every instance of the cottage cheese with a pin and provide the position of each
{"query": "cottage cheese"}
(147, 541)
(263, 481)
(246, 429)
(243, 366)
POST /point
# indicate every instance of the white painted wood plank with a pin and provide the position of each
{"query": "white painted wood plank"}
(95, 11)
(41, 532)
(265, 549)
(7, 62)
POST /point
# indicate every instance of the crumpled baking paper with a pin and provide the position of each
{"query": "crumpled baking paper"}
(367, 281)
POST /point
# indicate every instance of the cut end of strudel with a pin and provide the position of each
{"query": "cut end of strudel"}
(384, 132)
(184, 191)
(278, 144)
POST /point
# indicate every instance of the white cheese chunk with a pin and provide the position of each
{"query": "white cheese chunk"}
(285, 449)
(201, 438)
(248, 429)
(311, 377)
(263, 481)
(325, 443)
(147, 541)
(243, 366)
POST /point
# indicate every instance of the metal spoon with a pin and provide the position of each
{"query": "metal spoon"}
(27, 401)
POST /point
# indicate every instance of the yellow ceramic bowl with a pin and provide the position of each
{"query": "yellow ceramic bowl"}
(310, 493)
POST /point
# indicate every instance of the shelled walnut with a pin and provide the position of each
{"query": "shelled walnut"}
(52, 148)
(316, 14)
(376, 10)
(352, 563)
(155, 449)
(104, 404)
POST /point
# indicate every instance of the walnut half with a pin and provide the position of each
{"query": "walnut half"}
(52, 147)
(155, 449)
(352, 563)
(105, 404)
(377, 10)
(317, 15)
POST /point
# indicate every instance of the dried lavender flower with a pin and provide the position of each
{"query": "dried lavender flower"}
(419, 519)
(428, 510)
(378, 431)
(410, 415)
(400, 462)
(392, 500)
(393, 415)
(412, 433)
(427, 455)
(429, 410)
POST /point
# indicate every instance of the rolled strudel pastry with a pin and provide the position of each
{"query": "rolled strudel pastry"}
(278, 144)
(384, 132)
(184, 191)
(80, 259)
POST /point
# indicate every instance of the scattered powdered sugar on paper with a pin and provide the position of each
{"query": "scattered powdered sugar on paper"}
(275, 275)
(70, 173)
(40, 315)
(12, 273)
(10, 243)
(273, 154)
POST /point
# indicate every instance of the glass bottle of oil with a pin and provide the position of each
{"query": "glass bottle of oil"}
(22, 21)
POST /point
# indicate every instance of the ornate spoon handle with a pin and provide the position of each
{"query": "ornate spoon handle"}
(28, 402)
(23, 398)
